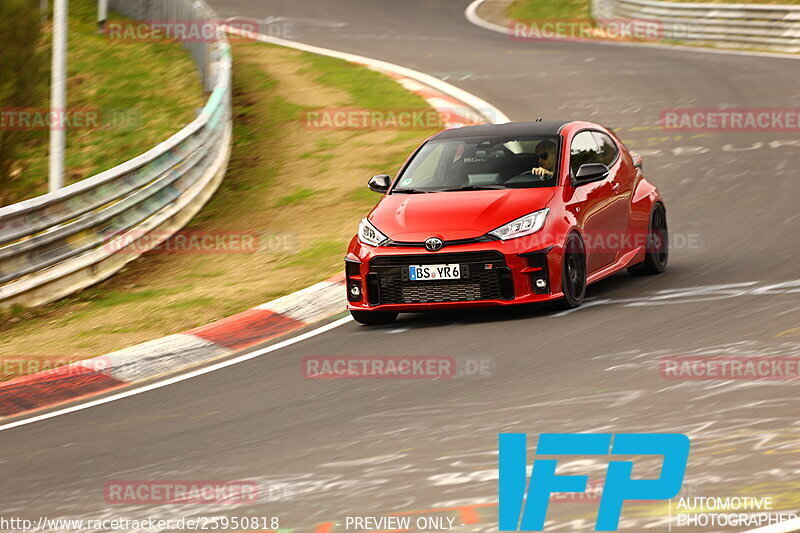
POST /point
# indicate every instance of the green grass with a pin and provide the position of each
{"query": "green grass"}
(145, 92)
(550, 9)
(296, 197)
(105, 299)
(320, 252)
(363, 195)
(204, 275)
(111, 330)
(191, 303)
(369, 88)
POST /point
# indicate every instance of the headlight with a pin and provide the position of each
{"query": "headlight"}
(369, 234)
(522, 226)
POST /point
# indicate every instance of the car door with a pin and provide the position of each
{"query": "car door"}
(592, 202)
(618, 210)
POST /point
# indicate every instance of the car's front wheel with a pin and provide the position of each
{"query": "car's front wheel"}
(657, 250)
(573, 273)
(373, 318)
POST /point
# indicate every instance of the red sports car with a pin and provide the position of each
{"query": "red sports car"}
(505, 214)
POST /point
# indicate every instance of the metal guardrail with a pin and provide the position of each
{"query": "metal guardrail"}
(763, 26)
(64, 241)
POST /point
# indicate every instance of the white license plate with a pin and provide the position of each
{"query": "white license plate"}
(434, 272)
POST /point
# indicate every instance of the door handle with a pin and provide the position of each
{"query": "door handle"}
(615, 186)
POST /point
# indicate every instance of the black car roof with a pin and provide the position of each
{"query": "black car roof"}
(549, 127)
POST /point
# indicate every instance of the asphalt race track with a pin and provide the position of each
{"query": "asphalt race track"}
(333, 448)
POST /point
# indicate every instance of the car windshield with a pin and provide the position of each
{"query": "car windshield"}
(481, 164)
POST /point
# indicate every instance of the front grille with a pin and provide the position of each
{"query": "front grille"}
(493, 283)
(436, 258)
(440, 292)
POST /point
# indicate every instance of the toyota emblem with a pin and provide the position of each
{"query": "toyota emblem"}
(434, 244)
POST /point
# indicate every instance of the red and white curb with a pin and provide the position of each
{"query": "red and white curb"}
(455, 114)
(162, 356)
(224, 337)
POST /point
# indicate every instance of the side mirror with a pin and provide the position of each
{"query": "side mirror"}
(637, 160)
(591, 172)
(380, 183)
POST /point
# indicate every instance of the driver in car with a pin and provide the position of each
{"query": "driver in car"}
(546, 152)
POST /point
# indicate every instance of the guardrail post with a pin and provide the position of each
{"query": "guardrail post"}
(102, 14)
(58, 96)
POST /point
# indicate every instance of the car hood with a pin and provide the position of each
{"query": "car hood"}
(454, 215)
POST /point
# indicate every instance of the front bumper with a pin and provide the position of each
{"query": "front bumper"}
(495, 273)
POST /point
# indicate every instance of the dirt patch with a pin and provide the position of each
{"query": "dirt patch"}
(294, 85)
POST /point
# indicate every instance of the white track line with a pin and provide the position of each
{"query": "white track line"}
(490, 112)
(182, 377)
(472, 15)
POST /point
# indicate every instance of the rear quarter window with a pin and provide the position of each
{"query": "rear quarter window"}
(608, 148)
(583, 150)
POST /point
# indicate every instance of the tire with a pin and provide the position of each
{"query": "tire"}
(573, 273)
(374, 318)
(657, 251)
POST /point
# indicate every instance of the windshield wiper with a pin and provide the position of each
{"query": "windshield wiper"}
(412, 191)
(476, 188)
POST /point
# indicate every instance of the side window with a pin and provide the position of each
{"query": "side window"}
(608, 150)
(583, 150)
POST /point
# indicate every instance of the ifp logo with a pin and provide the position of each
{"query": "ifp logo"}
(619, 486)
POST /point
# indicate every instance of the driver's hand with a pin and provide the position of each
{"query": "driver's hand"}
(539, 171)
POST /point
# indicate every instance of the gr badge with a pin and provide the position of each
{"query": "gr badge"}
(619, 486)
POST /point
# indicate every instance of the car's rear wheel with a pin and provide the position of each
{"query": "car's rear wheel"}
(657, 248)
(573, 273)
(373, 318)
